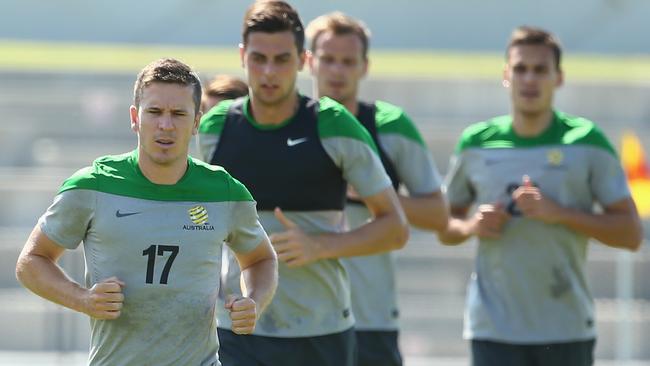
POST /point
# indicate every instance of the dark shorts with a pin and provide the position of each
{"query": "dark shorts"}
(378, 348)
(489, 353)
(338, 349)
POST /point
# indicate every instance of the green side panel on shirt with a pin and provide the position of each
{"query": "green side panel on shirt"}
(212, 122)
(564, 130)
(121, 175)
(336, 121)
(392, 119)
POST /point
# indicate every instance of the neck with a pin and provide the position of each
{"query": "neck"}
(351, 105)
(531, 124)
(156, 173)
(273, 114)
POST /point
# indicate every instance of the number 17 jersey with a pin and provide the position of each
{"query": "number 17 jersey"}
(164, 242)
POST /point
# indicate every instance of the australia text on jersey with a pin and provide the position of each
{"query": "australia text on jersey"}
(199, 217)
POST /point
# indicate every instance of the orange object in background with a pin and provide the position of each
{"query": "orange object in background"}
(637, 170)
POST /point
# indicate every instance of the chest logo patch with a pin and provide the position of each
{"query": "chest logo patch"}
(554, 157)
(294, 142)
(125, 214)
(198, 215)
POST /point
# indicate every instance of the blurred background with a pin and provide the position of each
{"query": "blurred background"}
(66, 76)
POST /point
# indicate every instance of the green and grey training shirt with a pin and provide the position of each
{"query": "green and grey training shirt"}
(372, 278)
(164, 242)
(529, 286)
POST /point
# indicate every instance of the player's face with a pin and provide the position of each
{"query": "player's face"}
(165, 123)
(271, 62)
(338, 66)
(532, 77)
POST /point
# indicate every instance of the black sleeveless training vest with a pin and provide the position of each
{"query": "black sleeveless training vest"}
(286, 167)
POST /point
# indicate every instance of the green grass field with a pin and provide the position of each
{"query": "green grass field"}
(122, 58)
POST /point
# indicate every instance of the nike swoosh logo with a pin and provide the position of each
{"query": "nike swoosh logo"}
(291, 142)
(125, 214)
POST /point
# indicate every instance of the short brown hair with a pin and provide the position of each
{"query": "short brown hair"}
(531, 36)
(226, 87)
(339, 24)
(273, 16)
(167, 70)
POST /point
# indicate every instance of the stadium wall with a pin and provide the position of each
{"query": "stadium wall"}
(584, 26)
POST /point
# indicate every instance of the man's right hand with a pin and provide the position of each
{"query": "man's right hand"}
(489, 220)
(243, 313)
(105, 299)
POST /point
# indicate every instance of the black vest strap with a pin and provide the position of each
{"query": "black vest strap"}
(366, 115)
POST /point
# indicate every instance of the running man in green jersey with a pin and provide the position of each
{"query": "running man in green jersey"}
(338, 61)
(535, 176)
(296, 154)
(153, 222)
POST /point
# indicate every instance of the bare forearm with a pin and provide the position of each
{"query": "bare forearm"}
(426, 212)
(620, 230)
(46, 279)
(260, 281)
(382, 234)
(457, 231)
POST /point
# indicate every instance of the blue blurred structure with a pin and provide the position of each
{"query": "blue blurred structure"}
(585, 26)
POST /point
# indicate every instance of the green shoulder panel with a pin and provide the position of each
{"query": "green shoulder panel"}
(204, 180)
(120, 175)
(581, 131)
(492, 133)
(564, 130)
(105, 167)
(334, 120)
(392, 119)
(81, 179)
(213, 121)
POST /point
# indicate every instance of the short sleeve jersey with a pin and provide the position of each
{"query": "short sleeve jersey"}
(372, 278)
(164, 242)
(529, 285)
(314, 299)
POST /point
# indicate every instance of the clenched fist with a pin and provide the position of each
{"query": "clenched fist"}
(105, 299)
(489, 221)
(243, 313)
